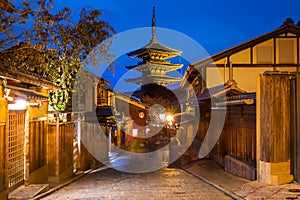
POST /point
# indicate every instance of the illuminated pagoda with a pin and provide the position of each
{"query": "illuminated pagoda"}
(154, 65)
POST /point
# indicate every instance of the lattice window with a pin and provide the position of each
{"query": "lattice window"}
(16, 131)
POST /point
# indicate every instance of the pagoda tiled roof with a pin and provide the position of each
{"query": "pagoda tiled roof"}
(154, 45)
(162, 64)
(163, 78)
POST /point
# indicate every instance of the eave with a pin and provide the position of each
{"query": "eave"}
(154, 47)
(164, 66)
(26, 77)
(140, 80)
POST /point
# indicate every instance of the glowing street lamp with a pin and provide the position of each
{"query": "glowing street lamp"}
(18, 105)
(169, 118)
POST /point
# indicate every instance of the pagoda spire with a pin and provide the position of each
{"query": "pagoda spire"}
(155, 64)
(153, 25)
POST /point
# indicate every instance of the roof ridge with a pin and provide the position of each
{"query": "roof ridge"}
(288, 22)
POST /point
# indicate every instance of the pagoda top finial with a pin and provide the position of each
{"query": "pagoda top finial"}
(153, 17)
(153, 25)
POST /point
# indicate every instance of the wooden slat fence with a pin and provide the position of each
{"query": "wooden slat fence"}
(94, 145)
(66, 136)
(238, 137)
(60, 147)
(37, 145)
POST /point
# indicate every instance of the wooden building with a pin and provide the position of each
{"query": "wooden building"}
(23, 128)
(254, 140)
(101, 107)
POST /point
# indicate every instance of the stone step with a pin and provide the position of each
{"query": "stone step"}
(28, 192)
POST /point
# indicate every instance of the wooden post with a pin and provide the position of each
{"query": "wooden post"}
(258, 114)
(274, 130)
(3, 144)
(1, 88)
(60, 141)
(57, 146)
(297, 153)
(26, 147)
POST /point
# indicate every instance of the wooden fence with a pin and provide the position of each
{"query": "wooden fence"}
(60, 148)
(37, 145)
(94, 145)
(238, 137)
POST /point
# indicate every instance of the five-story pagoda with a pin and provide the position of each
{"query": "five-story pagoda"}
(154, 65)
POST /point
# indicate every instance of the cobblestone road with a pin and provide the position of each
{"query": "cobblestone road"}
(167, 183)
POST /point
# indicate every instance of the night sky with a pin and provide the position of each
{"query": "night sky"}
(215, 24)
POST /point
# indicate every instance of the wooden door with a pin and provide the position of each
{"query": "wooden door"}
(16, 132)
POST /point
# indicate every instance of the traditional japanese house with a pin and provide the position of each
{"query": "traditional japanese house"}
(253, 143)
(23, 126)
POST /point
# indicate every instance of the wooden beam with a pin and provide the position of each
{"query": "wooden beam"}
(251, 55)
(297, 176)
(298, 52)
(274, 52)
(240, 65)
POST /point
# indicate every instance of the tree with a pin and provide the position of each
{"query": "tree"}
(33, 37)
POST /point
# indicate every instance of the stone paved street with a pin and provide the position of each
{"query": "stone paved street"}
(245, 189)
(167, 183)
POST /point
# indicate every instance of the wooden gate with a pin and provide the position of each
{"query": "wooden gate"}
(16, 132)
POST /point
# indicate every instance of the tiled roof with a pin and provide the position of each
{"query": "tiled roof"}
(28, 95)
(156, 46)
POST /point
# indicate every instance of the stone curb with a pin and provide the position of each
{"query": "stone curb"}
(227, 192)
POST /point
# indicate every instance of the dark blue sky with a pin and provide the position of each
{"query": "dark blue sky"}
(215, 24)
